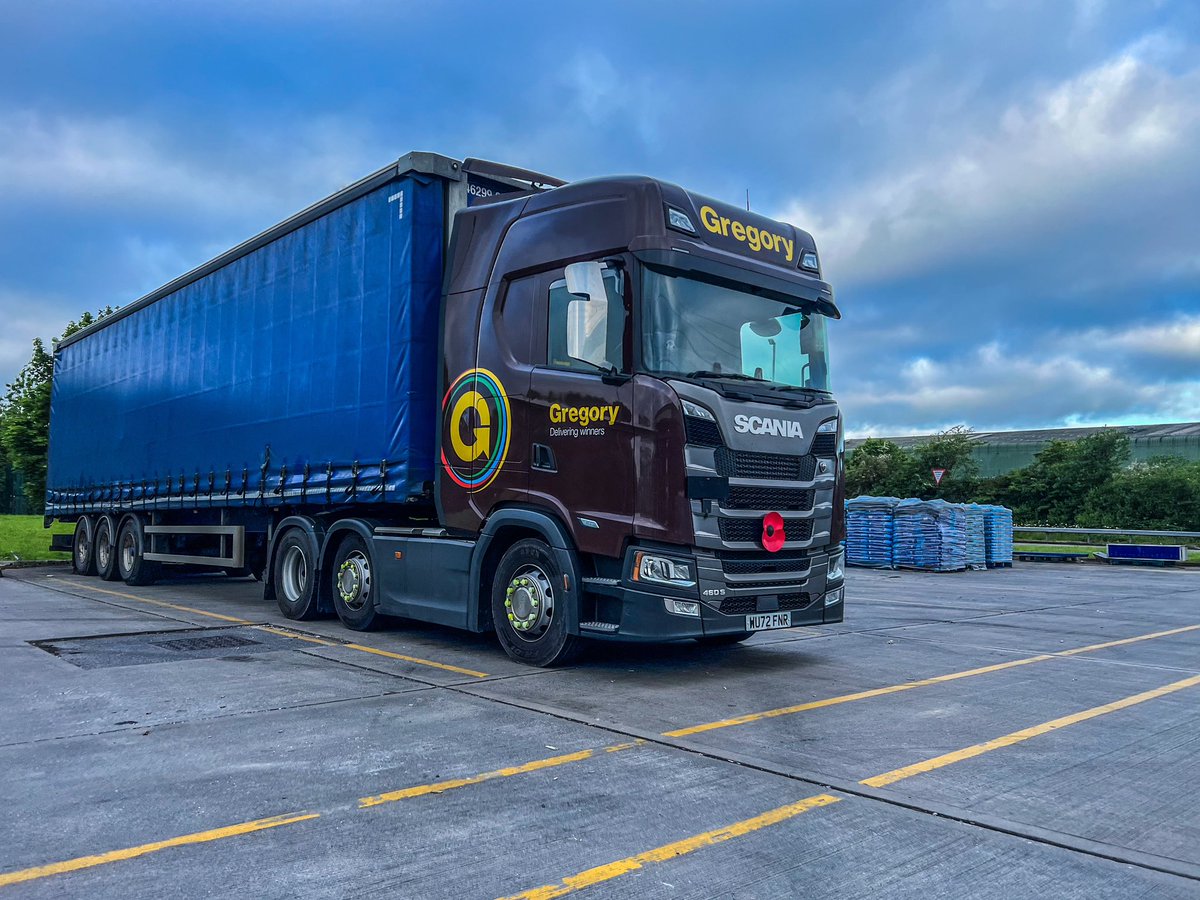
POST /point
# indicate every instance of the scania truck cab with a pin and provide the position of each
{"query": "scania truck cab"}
(468, 394)
(648, 370)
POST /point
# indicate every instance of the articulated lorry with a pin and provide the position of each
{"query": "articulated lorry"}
(469, 394)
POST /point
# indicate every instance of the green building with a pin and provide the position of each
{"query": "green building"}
(998, 452)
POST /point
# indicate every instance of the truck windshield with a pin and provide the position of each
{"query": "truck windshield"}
(695, 328)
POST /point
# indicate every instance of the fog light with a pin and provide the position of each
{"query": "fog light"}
(834, 597)
(682, 607)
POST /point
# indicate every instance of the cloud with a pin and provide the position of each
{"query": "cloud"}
(1092, 156)
(1101, 376)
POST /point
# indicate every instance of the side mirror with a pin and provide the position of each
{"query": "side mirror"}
(586, 279)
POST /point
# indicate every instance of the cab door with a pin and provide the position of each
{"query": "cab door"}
(581, 410)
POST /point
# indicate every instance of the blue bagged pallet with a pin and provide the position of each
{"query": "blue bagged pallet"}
(870, 525)
(976, 537)
(930, 535)
(998, 534)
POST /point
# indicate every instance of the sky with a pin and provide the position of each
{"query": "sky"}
(1005, 195)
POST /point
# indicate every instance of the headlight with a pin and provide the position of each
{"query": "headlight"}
(829, 427)
(836, 571)
(662, 570)
(696, 411)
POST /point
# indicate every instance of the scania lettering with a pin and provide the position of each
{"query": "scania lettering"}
(469, 394)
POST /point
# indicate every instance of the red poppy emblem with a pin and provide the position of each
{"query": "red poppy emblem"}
(773, 536)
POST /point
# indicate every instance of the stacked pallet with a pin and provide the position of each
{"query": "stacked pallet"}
(870, 526)
(998, 534)
(976, 536)
(930, 535)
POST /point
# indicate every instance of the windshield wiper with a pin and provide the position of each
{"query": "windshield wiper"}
(737, 376)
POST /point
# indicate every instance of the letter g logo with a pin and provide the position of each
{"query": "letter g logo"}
(475, 429)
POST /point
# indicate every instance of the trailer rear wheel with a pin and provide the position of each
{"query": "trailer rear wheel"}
(83, 556)
(294, 577)
(132, 565)
(528, 606)
(354, 588)
(106, 549)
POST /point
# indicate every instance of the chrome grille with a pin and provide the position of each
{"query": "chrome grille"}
(750, 530)
(769, 498)
(776, 466)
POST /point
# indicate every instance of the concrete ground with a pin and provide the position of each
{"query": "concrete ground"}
(1033, 730)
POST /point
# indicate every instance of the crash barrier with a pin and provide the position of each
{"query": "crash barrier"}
(932, 535)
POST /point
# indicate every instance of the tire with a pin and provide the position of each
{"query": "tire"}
(294, 575)
(132, 566)
(528, 606)
(83, 547)
(106, 549)
(355, 584)
(723, 640)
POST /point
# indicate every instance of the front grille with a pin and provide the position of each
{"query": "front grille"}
(733, 606)
(702, 432)
(763, 563)
(794, 601)
(769, 498)
(824, 445)
(776, 466)
(751, 530)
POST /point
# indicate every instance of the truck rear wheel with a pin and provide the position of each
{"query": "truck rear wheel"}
(106, 549)
(83, 556)
(132, 565)
(354, 590)
(528, 606)
(294, 575)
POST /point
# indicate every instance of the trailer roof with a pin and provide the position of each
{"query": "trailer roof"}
(416, 161)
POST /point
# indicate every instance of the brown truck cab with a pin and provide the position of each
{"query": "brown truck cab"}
(636, 407)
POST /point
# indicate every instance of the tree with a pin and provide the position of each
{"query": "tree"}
(878, 468)
(25, 412)
(1161, 494)
(1053, 488)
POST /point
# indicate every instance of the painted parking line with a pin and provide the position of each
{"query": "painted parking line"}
(675, 849)
(923, 682)
(440, 787)
(283, 632)
(163, 603)
(1016, 737)
(670, 851)
(199, 837)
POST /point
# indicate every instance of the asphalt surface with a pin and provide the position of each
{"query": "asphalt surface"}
(1033, 730)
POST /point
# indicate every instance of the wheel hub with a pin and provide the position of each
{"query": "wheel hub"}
(354, 580)
(529, 602)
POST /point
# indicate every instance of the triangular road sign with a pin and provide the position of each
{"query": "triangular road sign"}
(938, 475)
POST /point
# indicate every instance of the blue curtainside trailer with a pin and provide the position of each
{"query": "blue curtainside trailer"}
(305, 367)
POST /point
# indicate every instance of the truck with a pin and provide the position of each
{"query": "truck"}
(469, 394)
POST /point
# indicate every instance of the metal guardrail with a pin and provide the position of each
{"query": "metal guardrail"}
(1108, 531)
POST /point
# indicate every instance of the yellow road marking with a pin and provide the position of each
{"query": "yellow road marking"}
(442, 786)
(909, 685)
(1025, 734)
(175, 606)
(212, 615)
(670, 851)
(200, 837)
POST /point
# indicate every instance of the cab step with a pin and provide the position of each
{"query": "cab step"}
(601, 627)
(609, 586)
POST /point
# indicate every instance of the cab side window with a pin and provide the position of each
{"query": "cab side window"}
(587, 335)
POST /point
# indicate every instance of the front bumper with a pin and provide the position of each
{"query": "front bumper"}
(633, 611)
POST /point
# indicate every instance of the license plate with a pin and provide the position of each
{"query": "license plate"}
(767, 621)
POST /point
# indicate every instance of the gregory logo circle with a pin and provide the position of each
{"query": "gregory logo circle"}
(475, 429)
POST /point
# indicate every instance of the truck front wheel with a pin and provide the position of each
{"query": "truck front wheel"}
(528, 606)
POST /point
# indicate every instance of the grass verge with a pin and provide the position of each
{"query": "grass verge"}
(24, 538)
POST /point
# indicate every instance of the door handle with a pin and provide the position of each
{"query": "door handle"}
(543, 459)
